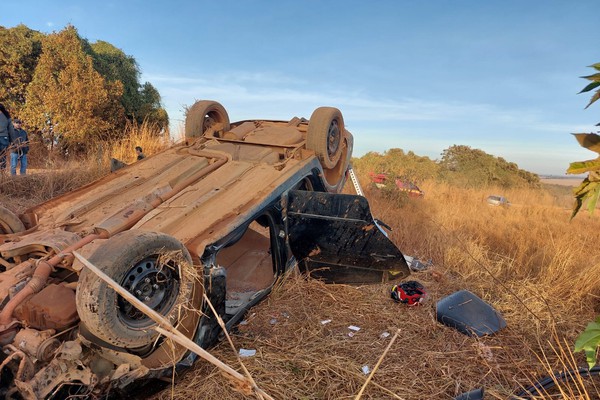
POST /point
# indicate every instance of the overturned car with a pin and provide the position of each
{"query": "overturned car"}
(216, 219)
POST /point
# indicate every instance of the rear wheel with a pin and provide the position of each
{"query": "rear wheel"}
(206, 117)
(327, 138)
(325, 135)
(9, 222)
(151, 266)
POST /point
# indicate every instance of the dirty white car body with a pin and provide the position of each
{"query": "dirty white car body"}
(223, 214)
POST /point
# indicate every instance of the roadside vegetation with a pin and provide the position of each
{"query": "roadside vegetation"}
(459, 165)
(71, 93)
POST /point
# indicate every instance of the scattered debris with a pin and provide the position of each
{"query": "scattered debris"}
(384, 335)
(247, 353)
(325, 321)
(354, 328)
(365, 369)
(416, 265)
(468, 314)
(411, 293)
(364, 386)
(476, 394)
(486, 352)
(273, 321)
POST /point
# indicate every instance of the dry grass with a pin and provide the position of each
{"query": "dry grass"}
(533, 265)
(147, 136)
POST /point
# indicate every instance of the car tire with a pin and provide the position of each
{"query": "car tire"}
(150, 266)
(9, 222)
(325, 135)
(204, 114)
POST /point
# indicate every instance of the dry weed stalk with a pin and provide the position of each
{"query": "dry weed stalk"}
(166, 329)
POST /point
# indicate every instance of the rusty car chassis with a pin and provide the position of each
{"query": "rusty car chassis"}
(219, 217)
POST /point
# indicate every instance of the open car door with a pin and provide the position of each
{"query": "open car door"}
(335, 238)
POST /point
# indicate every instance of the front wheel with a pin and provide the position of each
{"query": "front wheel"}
(152, 267)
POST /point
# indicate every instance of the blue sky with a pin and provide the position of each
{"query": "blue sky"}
(501, 76)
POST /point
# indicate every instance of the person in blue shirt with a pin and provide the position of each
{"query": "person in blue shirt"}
(19, 148)
(6, 133)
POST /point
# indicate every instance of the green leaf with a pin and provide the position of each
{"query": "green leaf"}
(580, 167)
(596, 66)
(583, 188)
(593, 198)
(590, 141)
(594, 77)
(595, 97)
(588, 341)
(576, 207)
(589, 87)
(586, 191)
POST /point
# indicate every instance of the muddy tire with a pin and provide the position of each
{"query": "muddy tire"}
(9, 222)
(203, 117)
(151, 267)
(325, 135)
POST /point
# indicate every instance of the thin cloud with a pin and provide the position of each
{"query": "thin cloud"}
(258, 92)
(237, 77)
(421, 125)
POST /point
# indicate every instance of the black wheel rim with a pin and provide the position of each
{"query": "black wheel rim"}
(156, 285)
(333, 138)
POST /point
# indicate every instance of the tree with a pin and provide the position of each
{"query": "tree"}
(396, 162)
(68, 99)
(140, 102)
(475, 168)
(114, 65)
(151, 108)
(589, 190)
(20, 48)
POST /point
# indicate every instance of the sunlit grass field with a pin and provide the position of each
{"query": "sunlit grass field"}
(533, 264)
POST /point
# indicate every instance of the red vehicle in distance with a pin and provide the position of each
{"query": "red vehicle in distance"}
(382, 180)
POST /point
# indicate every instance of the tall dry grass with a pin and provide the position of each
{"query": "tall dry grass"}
(532, 245)
(146, 135)
(529, 261)
(538, 267)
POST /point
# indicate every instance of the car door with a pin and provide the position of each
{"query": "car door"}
(335, 238)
